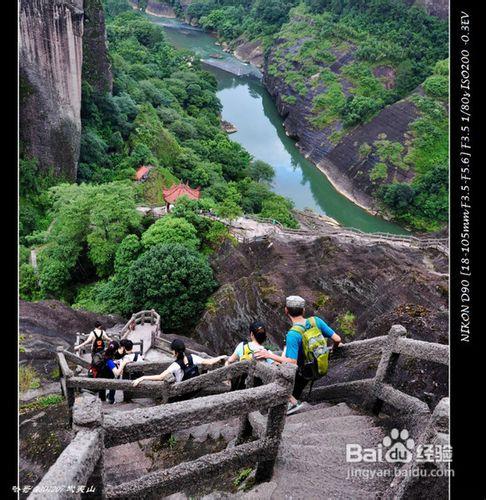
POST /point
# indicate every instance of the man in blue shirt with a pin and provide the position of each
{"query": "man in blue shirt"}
(294, 352)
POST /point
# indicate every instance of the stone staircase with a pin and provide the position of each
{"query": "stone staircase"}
(312, 465)
(312, 456)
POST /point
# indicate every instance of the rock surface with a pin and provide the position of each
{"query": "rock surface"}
(250, 51)
(340, 158)
(378, 283)
(50, 61)
(59, 41)
(47, 324)
(96, 64)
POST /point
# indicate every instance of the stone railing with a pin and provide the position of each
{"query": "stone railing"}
(372, 393)
(80, 466)
(141, 318)
(81, 463)
(163, 390)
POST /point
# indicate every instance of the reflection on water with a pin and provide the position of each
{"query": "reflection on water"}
(248, 106)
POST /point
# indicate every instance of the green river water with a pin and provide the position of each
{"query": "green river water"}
(248, 106)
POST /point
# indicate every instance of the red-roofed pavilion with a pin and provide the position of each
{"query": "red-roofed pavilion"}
(142, 172)
(177, 190)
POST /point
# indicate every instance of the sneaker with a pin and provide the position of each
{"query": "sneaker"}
(292, 408)
(111, 401)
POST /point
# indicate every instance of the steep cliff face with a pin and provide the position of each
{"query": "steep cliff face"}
(334, 150)
(51, 49)
(378, 283)
(96, 65)
(360, 288)
(60, 41)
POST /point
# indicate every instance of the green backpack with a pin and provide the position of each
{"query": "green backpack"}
(316, 352)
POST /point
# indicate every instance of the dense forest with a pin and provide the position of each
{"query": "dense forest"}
(94, 250)
(378, 37)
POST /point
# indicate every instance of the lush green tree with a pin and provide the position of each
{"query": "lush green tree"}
(437, 86)
(231, 155)
(171, 230)
(398, 196)
(359, 109)
(261, 171)
(230, 207)
(88, 221)
(150, 132)
(280, 209)
(28, 283)
(173, 280)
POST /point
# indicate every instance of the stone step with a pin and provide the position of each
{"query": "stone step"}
(323, 424)
(321, 412)
(125, 462)
(365, 436)
(318, 486)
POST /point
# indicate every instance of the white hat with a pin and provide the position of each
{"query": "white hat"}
(294, 301)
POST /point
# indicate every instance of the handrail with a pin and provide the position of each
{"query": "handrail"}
(140, 318)
(165, 482)
(82, 459)
(373, 392)
(124, 427)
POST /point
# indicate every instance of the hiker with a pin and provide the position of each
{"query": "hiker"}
(104, 366)
(185, 367)
(128, 354)
(311, 358)
(130, 357)
(245, 351)
(96, 338)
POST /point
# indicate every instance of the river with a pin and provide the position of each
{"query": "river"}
(248, 106)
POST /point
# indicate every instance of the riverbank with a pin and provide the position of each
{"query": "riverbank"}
(249, 106)
(251, 53)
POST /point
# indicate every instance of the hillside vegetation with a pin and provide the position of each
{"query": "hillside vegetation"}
(93, 248)
(337, 64)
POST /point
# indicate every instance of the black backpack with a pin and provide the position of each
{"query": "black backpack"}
(98, 344)
(190, 370)
(98, 365)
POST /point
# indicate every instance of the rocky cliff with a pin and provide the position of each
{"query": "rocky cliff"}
(96, 64)
(361, 288)
(54, 34)
(51, 50)
(357, 159)
(47, 324)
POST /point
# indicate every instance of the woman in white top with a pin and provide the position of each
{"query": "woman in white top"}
(245, 352)
(185, 366)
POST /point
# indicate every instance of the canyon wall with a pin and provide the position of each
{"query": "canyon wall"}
(51, 54)
(61, 42)
(360, 288)
(96, 64)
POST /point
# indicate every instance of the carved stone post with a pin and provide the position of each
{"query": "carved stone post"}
(276, 423)
(88, 414)
(386, 367)
(66, 373)
(244, 427)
